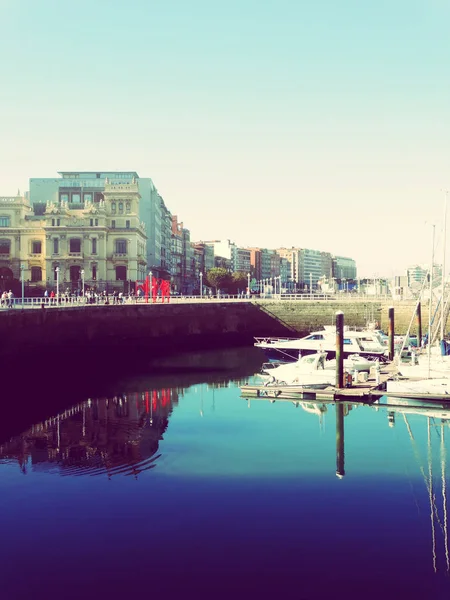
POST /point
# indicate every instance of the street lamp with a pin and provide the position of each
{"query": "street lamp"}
(248, 285)
(82, 282)
(201, 285)
(57, 285)
(22, 270)
(310, 284)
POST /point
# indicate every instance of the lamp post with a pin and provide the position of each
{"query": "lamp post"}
(248, 285)
(57, 285)
(201, 285)
(310, 285)
(22, 270)
(82, 282)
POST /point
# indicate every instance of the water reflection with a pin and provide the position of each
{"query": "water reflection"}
(102, 436)
(253, 481)
(436, 419)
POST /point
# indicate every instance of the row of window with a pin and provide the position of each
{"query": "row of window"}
(57, 222)
(119, 206)
(75, 273)
(120, 246)
(113, 224)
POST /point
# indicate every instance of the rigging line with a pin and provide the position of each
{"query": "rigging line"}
(444, 497)
(409, 479)
(428, 484)
(430, 473)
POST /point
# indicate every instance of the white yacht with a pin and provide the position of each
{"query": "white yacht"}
(366, 343)
(309, 372)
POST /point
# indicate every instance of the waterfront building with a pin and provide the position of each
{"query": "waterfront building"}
(205, 254)
(342, 268)
(100, 243)
(166, 241)
(222, 248)
(241, 260)
(285, 269)
(78, 188)
(255, 263)
(177, 254)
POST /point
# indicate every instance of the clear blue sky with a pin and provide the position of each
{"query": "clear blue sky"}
(320, 124)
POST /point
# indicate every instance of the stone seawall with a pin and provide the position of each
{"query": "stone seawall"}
(161, 329)
(305, 316)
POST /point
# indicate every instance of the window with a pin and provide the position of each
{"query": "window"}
(53, 222)
(87, 197)
(121, 273)
(55, 245)
(113, 224)
(120, 208)
(94, 272)
(128, 207)
(75, 273)
(76, 198)
(91, 222)
(36, 248)
(75, 245)
(113, 208)
(58, 222)
(36, 274)
(94, 245)
(127, 224)
(98, 175)
(4, 246)
(5, 221)
(96, 222)
(121, 246)
(64, 197)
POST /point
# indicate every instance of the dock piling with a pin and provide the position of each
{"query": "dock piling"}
(340, 349)
(419, 324)
(391, 333)
(340, 459)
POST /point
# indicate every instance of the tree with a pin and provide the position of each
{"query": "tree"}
(239, 281)
(218, 278)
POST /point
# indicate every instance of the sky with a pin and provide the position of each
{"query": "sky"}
(308, 123)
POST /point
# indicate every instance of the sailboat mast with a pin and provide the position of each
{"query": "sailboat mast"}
(430, 307)
(443, 267)
(444, 495)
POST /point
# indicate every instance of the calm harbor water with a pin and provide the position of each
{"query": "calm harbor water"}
(175, 484)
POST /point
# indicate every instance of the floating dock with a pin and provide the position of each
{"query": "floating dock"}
(366, 392)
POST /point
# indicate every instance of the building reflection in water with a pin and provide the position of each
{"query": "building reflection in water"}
(104, 436)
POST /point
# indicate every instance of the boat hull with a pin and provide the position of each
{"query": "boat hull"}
(291, 354)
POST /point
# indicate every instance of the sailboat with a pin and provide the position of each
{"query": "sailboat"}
(430, 374)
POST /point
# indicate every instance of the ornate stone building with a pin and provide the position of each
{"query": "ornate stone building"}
(103, 243)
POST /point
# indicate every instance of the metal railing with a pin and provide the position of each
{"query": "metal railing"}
(71, 301)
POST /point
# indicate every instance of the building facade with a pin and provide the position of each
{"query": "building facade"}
(76, 189)
(102, 244)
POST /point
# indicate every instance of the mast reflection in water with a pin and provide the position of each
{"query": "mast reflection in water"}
(103, 436)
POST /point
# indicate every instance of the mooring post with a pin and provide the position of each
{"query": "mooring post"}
(419, 324)
(339, 349)
(391, 333)
(340, 463)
